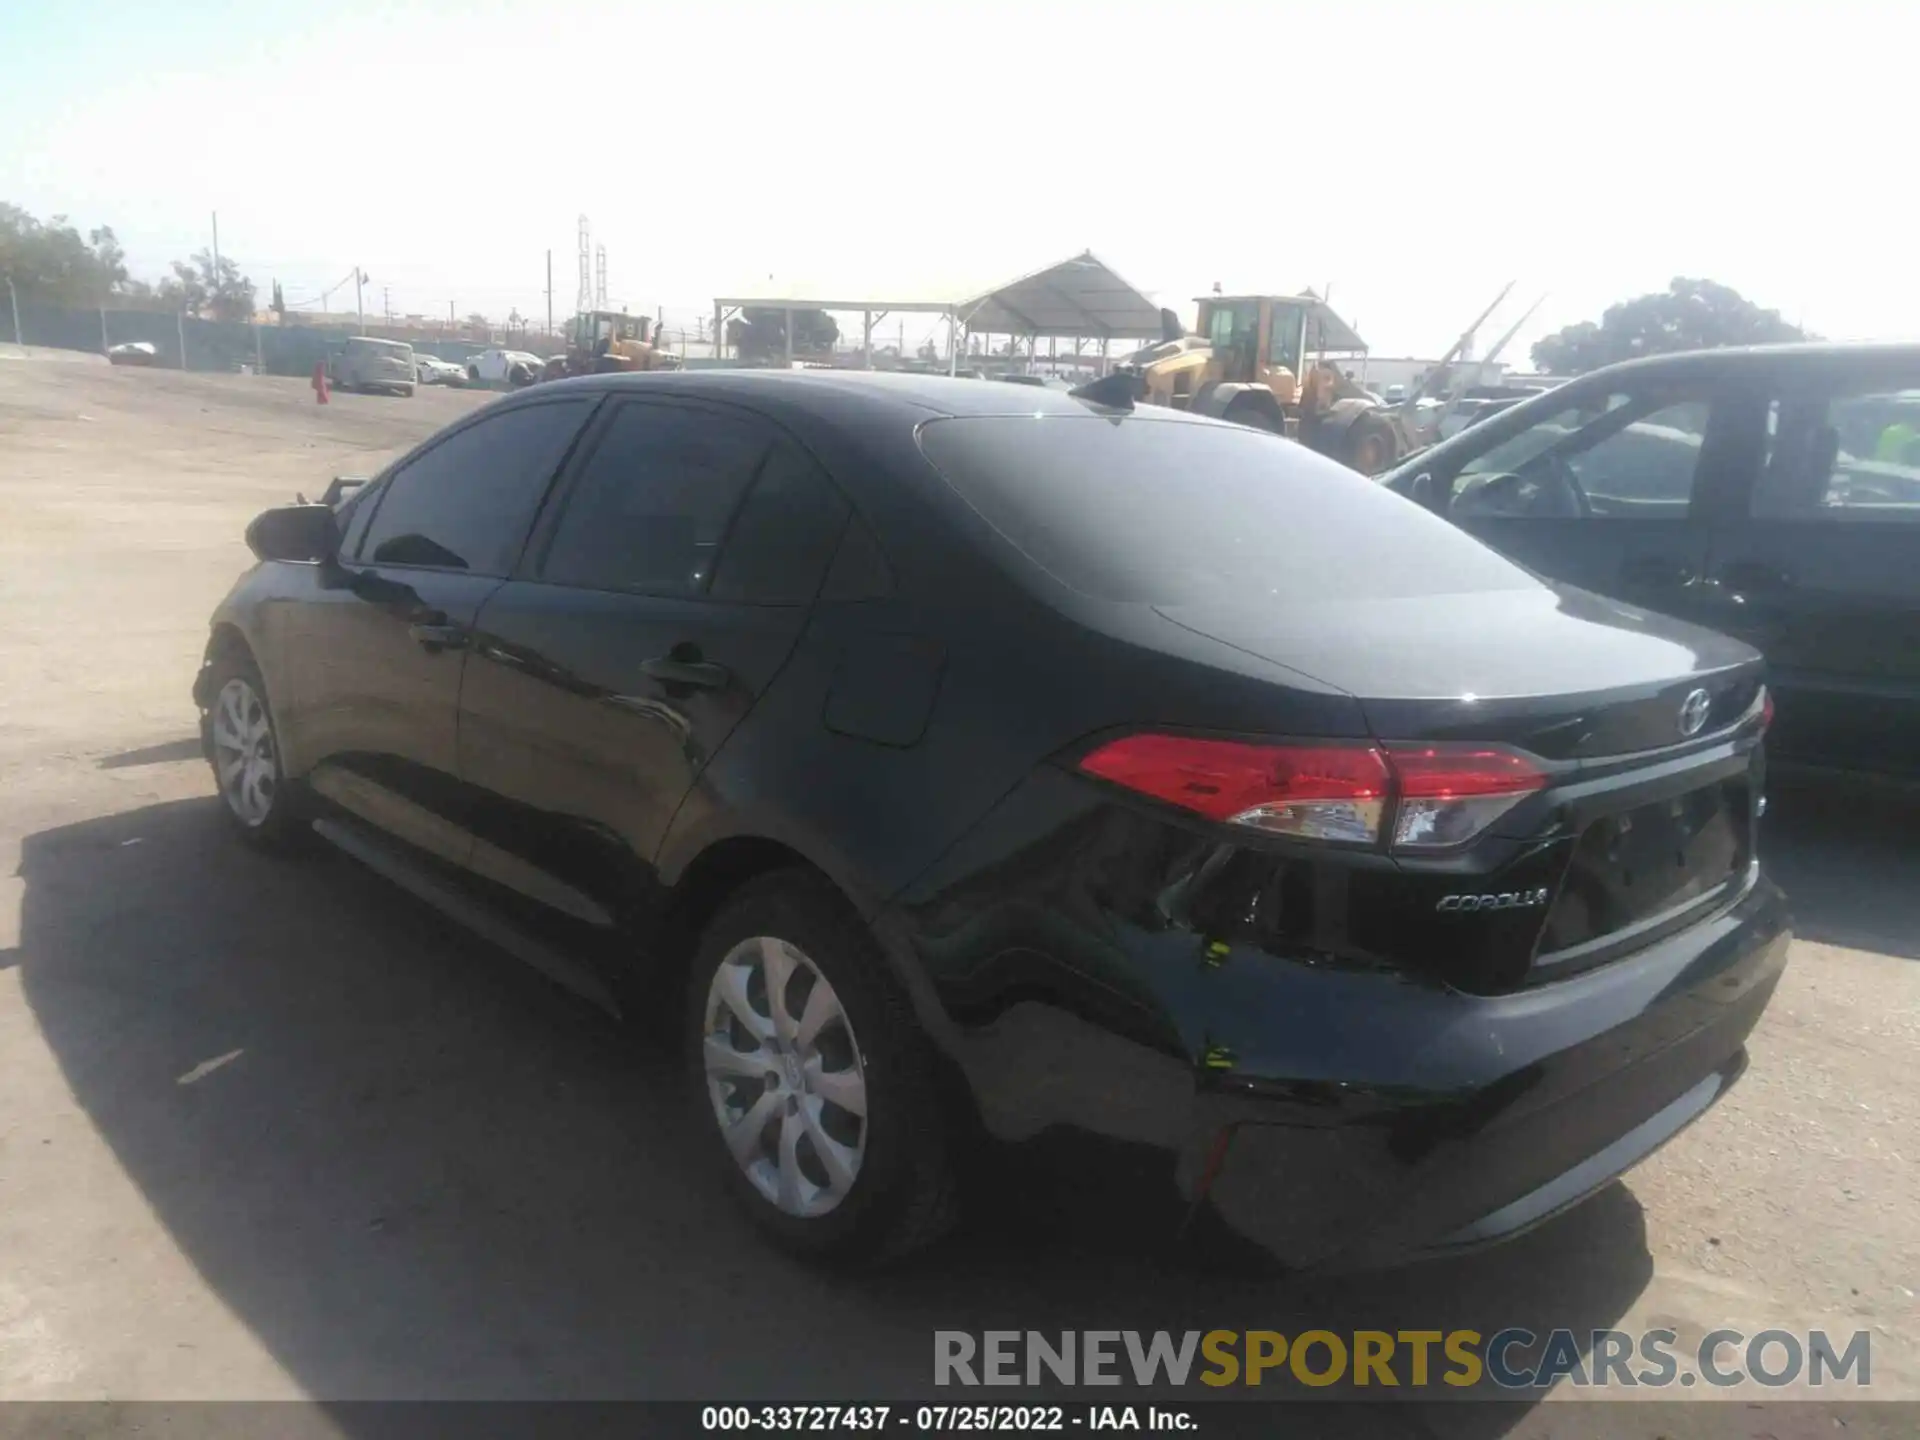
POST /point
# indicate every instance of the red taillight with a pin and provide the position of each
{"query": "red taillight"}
(1766, 710)
(1440, 795)
(1318, 792)
(1450, 793)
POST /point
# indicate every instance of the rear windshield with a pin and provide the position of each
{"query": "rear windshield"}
(388, 347)
(1167, 513)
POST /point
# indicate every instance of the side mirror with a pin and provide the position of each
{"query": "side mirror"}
(340, 487)
(300, 533)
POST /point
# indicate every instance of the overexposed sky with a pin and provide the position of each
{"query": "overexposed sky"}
(1414, 156)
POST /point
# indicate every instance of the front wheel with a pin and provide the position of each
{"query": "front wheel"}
(1254, 415)
(1372, 444)
(812, 1079)
(243, 746)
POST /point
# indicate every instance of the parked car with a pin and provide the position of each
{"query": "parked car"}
(432, 370)
(1136, 791)
(368, 363)
(505, 367)
(1467, 413)
(134, 352)
(1766, 492)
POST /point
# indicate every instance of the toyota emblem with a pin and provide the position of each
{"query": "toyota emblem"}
(1693, 712)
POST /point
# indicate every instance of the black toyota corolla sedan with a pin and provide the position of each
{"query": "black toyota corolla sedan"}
(968, 770)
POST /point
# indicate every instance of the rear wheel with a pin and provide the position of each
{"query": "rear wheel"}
(812, 1079)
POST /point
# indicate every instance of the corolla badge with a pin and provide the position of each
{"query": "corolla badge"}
(1500, 900)
(1693, 712)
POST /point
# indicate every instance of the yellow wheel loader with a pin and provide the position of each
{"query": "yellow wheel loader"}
(1265, 361)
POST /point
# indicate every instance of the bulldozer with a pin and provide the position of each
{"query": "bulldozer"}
(1265, 361)
(607, 341)
(1271, 361)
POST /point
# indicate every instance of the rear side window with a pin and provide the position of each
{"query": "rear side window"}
(466, 504)
(1168, 512)
(779, 545)
(653, 500)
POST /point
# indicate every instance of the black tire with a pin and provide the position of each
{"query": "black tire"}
(1371, 444)
(473, 375)
(902, 1196)
(1254, 415)
(407, 391)
(282, 826)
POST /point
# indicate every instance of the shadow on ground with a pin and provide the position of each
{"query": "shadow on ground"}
(427, 1173)
(1848, 856)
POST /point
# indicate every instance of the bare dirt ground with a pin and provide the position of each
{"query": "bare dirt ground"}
(272, 1130)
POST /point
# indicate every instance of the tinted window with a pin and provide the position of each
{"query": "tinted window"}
(1847, 458)
(860, 570)
(779, 544)
(1612, 456)
(654, 499)
(1170, 512)
(466, 503)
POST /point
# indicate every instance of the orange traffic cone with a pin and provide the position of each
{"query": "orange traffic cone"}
(319, 382)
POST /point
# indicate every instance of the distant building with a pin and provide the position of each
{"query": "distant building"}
(1377, 372)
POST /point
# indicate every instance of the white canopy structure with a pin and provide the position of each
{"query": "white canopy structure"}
(1081, 299)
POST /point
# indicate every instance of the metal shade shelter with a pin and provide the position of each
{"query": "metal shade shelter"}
(1079, 299)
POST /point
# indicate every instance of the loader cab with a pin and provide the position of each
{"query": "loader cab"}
(596, 331)
(1259, 339)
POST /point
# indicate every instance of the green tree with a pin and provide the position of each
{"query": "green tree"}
(200, 287)
(760, 333)
(53, 262)
(1687, 315)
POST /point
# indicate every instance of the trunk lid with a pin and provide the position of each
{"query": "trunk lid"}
(1556, 671)
(1648, 729)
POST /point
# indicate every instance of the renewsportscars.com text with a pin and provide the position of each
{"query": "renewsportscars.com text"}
(1512, 1359)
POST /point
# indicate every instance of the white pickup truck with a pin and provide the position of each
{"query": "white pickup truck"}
(508, 367)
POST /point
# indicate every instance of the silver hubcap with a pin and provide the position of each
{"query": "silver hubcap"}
(243, 754)
(785, 1076)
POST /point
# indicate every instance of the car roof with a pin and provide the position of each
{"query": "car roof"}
(1742, 359)
(909, 396)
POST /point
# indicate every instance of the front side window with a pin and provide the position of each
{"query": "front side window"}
(654, 499)
(1851, 456)
(1231, 325)
(1283, 345)
(466, 503)
(1610, 456)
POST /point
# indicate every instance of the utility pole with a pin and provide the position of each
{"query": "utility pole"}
(180, 329)
(549, 292)
(386, 304)
(359, 300)
(215, 277)
(14, 296)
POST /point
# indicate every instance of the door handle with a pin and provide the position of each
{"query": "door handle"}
(699, 674)
(1659, 570)
(439, 637)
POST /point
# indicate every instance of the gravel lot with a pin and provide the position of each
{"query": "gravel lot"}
(273, 1130)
